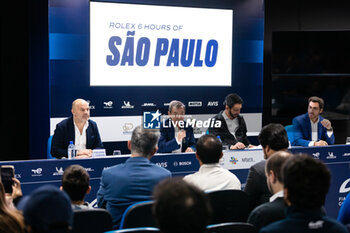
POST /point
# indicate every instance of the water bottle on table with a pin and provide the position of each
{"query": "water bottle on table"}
(224, 146)
(71, 150)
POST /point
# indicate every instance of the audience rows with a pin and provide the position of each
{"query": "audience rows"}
(284, 193)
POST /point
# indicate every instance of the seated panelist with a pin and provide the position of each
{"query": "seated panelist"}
(311, 129)
(79, 129)
(233, 130)
(173, 137)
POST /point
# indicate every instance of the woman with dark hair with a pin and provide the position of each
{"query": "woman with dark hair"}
(11, 220)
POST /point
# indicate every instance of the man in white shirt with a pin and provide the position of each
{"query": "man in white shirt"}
(311, 129)
(273, 210)
(211, 176)
(79, 129)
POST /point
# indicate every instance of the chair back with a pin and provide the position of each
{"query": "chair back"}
(229, 206)
(138, 215)
(92, 221)
(137, 230)
(290, 133)
(232, 227)
(49, 142)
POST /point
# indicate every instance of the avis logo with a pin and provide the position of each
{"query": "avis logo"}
(343, 188)
(233, 160)
(213, 103)
(162, 164)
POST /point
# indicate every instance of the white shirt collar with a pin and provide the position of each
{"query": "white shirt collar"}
(276, 195)
(80, 139)
(312, 123)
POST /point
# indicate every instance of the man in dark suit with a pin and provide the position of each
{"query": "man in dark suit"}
(311, 129)
(306, 183)
(273, 138)
(133, 181)
(273, 210)
(79, 129)
(233, 130)
(175, 135)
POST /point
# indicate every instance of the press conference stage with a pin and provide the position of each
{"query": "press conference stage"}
(34, 173)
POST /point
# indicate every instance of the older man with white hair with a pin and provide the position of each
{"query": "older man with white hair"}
(79, 129)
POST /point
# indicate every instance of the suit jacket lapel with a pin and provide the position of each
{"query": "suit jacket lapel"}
(88, 136)
(71, 131)
(319, 130)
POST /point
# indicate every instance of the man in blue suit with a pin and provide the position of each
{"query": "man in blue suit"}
(311, 129)
(175, 135)
(133, 181)
(79, 129)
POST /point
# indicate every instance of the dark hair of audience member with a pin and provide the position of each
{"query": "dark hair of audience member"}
(11, 221)
(307, 181)
(209, 149)
(180, 207)
(275, 136)
(232, 99)
(75, 182)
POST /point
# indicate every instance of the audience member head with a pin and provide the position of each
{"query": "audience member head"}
(47, 210)
(306, 181)
(315, 107)
(209, 149)
(273, 170)
(11, 221)
(177, 110)
(143, 142)
(180, 207)
(273, 137)
(233, 105)
(76, 183)
(80, 110)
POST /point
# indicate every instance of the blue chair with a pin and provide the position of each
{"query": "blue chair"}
(228, 206)
(137, 230)
(49, 141)
(95, 220)
(290, 133)
(138, 215)
(232, 227)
